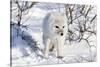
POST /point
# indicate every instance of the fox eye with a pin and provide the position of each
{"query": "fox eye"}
(63, 26)
(56, 27)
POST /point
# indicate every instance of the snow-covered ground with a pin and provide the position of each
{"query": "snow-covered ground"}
(75, 53)
(27, 46)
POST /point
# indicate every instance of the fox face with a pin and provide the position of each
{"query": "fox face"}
(59, 25)
(59, 30)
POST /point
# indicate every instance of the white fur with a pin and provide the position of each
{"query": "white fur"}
(52, 35)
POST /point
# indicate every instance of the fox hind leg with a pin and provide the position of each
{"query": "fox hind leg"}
(46, 51)
(51, 47)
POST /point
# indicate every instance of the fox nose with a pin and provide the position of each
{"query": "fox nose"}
(61, 34)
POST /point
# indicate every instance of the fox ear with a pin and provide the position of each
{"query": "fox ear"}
(50, 14)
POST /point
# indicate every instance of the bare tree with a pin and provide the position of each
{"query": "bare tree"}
(74, 13)
(21, 8)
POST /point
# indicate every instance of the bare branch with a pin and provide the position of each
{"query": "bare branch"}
(93, 18)
(71, 17)
(89, 9)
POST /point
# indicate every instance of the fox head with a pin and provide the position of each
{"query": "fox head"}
(58, 23)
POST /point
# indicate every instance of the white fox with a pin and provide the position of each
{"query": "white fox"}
(54, 32)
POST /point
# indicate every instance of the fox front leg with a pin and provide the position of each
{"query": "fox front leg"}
(60, 47)
(47, 48)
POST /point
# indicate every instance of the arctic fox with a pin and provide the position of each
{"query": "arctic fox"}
(54, 31)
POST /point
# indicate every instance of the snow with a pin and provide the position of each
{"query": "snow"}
(76, 52)
(22, 53)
